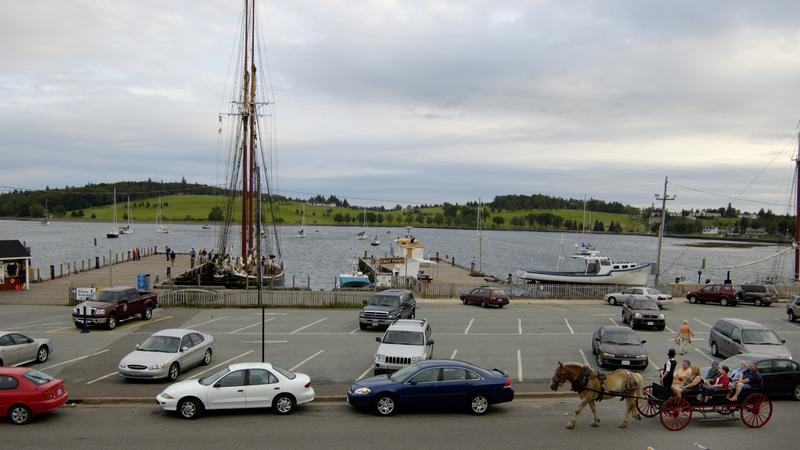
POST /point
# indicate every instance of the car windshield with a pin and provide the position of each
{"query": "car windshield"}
(165, 344)
(404, 373)
(645, 304)
(760, 337)
(207, 381)
(403, 337)
(651, 291)
(621, 339)
(498, 293)
(38, 377)
(106, 296)
(384, 300)
(285, 373)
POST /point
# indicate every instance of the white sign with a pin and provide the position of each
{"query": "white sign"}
(84, 293)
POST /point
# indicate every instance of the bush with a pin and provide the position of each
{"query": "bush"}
(216, 214)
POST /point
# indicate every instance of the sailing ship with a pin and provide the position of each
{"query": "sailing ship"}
(114, 231)
(362, 235)
(160, 228)
(128, 229)
(46, 219)
(302, 232)
(239, 259)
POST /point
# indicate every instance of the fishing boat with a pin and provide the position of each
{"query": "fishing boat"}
(362, 235)
(597, 269)
(113, 233)
(160, 228)
(128, 229)
(301, 233)
(353, 279)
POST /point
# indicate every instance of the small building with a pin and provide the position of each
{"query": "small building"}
(711, 230)
(15, 263)
(755, 232)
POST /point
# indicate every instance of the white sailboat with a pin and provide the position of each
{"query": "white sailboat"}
(302, 232)
(46, 220)
(159, 227)
(362, 235)
(114, 232)
(128, 229)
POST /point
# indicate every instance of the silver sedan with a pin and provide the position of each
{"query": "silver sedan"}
(167, 354)
(638, 293)
(17, 349)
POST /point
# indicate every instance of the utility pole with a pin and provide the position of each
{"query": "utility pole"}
(664, 198)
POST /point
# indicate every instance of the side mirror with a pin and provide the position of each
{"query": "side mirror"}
(216, 385)
(783, 341)
(364, 302)
(430, 342)
(644, 341)
(137, 346)
(377, 339)
(183, 349)
(412, 382)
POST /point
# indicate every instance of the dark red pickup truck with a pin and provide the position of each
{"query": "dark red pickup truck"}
(108, 307)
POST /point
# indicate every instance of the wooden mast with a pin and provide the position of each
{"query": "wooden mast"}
(252, 174)
(245, 123)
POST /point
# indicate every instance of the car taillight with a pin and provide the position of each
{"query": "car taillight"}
(508, 382)
(308, 385)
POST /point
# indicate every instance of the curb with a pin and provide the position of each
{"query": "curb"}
(320, 399)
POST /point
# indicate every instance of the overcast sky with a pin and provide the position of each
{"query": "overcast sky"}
(407, 101)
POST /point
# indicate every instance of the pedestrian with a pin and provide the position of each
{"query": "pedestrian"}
(192, 256)
(172, 257)
(668, 371)
(684, 337)
(167, 253)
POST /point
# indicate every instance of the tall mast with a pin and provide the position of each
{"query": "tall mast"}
(797, 213)
(252, 106)
(245, 123)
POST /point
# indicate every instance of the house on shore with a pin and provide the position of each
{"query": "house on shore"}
(15, 263)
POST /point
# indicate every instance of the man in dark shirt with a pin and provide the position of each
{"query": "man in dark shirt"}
(750, 378)
(713, 371)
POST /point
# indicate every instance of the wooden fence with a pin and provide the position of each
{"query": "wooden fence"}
(548, 291)
(248, 298)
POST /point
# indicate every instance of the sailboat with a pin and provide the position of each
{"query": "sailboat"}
(159, 227)
(476, 270)
(114, 232)
(128, 229)
(46, 220)
(375, 242)
(362, 235)
(302, 233)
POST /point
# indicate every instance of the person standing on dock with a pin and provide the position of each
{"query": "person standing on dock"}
(192, 256)
(171, 256)
(166, 252)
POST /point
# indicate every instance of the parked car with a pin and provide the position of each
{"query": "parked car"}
(644, 313)
(25, 393)
(239, 386)
(486, 296)
(619, 347)
(638, 293)
(17, 349)
(404, 342)
(733, 336)
(168, 353)
(432, 384)
(757, 294)
(387, 306)
(108, 307)
(780, 376)
(724, 294)
(793, 309)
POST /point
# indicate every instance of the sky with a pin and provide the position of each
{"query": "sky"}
(415, 101)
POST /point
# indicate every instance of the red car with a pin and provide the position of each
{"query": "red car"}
(485, 296)
(25, 393)
(724, 294)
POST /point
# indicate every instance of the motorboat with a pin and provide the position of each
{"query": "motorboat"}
(597, 269)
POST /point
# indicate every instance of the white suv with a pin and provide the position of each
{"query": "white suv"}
(405, 342)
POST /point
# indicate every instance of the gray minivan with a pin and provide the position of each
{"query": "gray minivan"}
(731, 337)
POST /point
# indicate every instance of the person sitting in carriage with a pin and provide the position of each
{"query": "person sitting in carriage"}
(692, 383)
(720, 382)
(749, 379)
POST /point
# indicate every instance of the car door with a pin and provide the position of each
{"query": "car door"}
(785, 376)
(228, 392)
(262, 387)
(455, 388)
(8, 391)
(8, 350)
(198, 347)
(638, 293)
(26, 349)
(420, 389)
(734, 342)
(186, 357)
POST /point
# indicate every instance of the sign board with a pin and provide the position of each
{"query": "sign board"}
(141, 282)
(395, 260)
(383, 280)
(84, 293)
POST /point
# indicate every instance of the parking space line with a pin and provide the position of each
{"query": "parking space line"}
(56, 330)
(469, 325)
(74, 360)
(604, 315)
(519, 365)
(143, 323)
(309, 325)
(786, 321)
(205, 323)
(704, 354)
(453, 355)
(102, 378)
(269, 314)
(197, 375)
(519, 326)
(700, 321)
(306, 360)
(24, 324)
(571, 331)
(583, 357)
(669, 329)
(355, 331)
(251, 326)
(613, 321)
(652, 364)
(364, 373)
(266, 342)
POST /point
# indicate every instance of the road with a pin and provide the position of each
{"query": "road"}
(525, 424)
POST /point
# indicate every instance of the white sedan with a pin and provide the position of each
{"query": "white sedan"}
(238, 386)
(638, 293)
(17, 349)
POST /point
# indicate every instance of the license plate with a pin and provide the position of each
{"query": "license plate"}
(58, 392)
(626, 363)
(650, 323)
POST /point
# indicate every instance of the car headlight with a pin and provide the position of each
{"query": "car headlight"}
(100, 312)
(391, 316)
(416, 358)
(660, 316)
(362, 391)
(380, 358)
(641, 356)
(608, 355)
(158, 366)
(167, 396)
(637, 315)
(122, 364)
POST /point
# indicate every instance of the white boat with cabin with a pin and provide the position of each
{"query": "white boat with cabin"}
(598, 269)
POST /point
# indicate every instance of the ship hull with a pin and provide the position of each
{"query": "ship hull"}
(637, 276)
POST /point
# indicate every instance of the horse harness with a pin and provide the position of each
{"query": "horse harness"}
(587, 374)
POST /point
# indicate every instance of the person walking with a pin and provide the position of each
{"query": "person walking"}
(684, 337)
(167, 253)
(192, 256)
(172, 257)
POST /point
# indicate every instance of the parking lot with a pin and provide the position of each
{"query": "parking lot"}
(525, 340)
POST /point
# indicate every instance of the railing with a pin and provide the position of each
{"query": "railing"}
(248, 298)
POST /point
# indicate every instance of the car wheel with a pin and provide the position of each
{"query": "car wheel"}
(413, 314)
(19, 414)
(479, 404)
(599, 360)
(612, 301)
(147, 314)
(189, 408)
(483, 304)
(792, 318)
(500, 306)
(758, 302)
(723, 301)
(42, 354)
(714, 349)
(464, 301)
(661, 327)
(283, 404)
(206, 358)
(1, 363)
(385, 405)
(796, 392)
(632, 324)
(362, 326)
(692, 299)
(174, 371)
(78, 325)
(111, 322)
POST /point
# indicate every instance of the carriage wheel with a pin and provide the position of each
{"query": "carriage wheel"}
(756, 410)
(648, 406)
(676, 413)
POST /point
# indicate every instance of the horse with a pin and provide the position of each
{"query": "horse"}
(593, 386)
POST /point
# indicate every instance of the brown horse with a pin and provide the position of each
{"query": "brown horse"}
(591, 386)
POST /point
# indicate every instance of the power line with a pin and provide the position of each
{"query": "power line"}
(730, 197)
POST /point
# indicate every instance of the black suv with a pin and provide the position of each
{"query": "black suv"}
(757, 294)
(387, 306)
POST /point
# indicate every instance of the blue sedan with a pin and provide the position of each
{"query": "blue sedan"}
(432, 384)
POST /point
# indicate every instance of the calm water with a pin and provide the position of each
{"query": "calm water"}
(326, 251)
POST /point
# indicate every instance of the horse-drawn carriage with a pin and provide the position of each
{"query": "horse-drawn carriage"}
(675, 413)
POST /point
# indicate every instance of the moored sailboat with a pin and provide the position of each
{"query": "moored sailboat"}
(114, 231)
